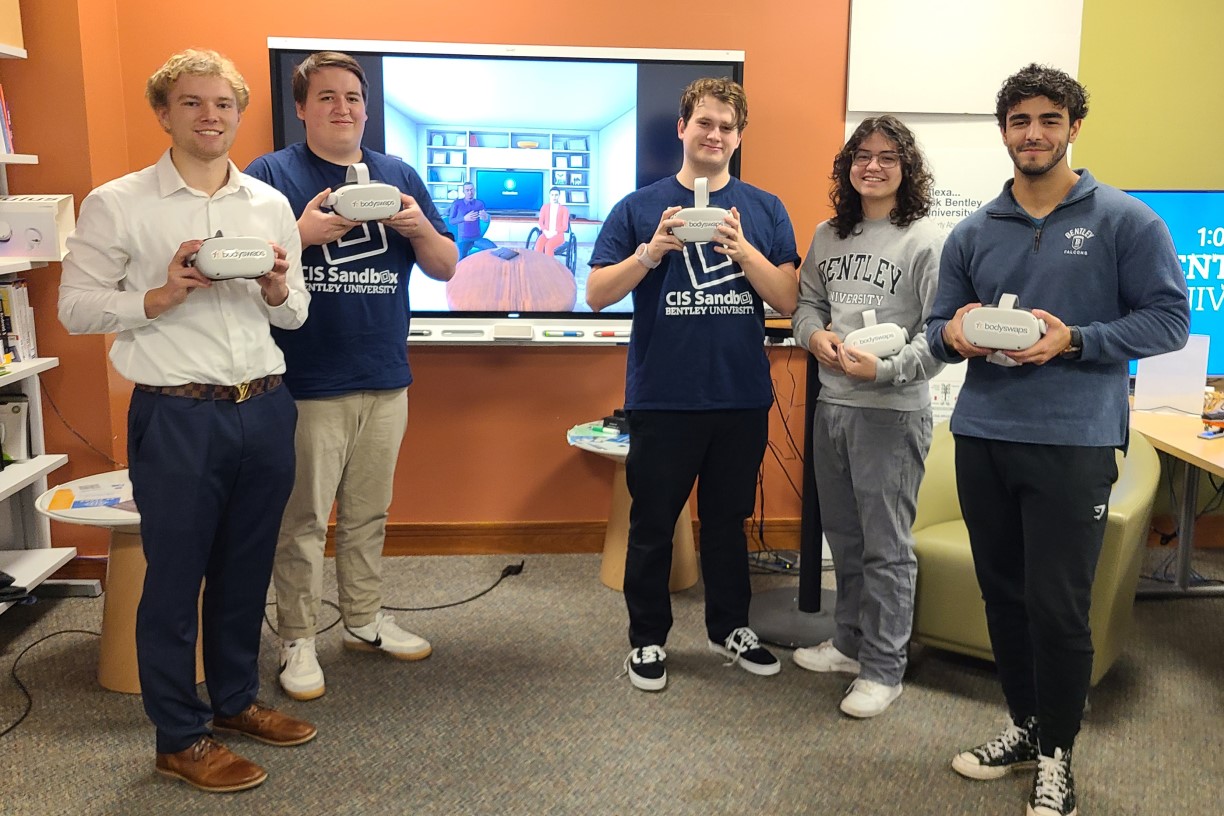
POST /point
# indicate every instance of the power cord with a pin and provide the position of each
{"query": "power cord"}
(46, 393)
(507, 571)
(22, 686)
(1163, 573)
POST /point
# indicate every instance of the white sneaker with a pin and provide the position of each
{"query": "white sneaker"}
(824, 657)
(300, 674)
(867, 698)
(383, 635)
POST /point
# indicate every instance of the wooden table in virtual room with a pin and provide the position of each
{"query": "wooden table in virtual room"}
(1178, 436)
(526, 281)
(125, 569)
(591, 436)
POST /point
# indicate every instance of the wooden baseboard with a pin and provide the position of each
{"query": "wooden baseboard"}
(492, 538)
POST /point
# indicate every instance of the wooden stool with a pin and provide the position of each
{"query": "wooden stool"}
(616, 541)
(125, 573)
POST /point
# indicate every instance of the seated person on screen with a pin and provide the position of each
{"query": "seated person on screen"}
(554, 221)
(465, 216)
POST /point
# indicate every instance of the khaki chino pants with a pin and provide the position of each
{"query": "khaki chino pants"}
(347, 447)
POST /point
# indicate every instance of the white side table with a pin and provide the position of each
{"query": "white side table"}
(125, 573)
(616, 537)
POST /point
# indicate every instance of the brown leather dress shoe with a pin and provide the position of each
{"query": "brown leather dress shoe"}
(212, 767)
(267, 725)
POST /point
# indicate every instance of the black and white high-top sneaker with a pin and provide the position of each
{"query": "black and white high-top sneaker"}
(1013, 750)
(1053, 786)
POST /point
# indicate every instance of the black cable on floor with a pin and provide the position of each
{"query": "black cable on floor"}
(507, 571)
(22, 687)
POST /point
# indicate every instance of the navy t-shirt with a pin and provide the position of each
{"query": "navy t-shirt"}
(356, 336)
(698, 340)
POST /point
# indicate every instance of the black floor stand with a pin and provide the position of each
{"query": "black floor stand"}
(803, 615)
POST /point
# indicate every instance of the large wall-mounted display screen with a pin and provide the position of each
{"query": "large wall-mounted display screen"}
(544, 137)
(1196, 221)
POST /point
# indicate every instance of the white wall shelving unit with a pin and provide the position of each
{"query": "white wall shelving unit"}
(25, 535)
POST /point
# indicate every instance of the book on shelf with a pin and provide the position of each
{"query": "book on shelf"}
(17, 321)
(6, 124)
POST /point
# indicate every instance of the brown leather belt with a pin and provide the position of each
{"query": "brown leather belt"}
(206, 391)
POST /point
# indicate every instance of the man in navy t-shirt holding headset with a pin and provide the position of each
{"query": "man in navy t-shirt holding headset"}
(698, 389)
(347, 368)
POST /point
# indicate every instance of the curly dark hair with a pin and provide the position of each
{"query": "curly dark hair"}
(914, 194)
(1041, 80)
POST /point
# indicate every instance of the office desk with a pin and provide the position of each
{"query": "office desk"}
(529, 282)
(125, 572)
(616, 537)
(1177, 435)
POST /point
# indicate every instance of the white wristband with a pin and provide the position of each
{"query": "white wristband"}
(643, 257)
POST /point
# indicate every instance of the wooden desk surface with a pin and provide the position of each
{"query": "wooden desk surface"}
(529, 282)
(1178, 435)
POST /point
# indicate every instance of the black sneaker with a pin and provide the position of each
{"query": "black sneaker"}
(1013, 750)
(1053, 786)
(646, 668)
(742, 647)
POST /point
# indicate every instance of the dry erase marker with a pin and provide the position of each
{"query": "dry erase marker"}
(562, 334)
(419, 333)
(611, 334)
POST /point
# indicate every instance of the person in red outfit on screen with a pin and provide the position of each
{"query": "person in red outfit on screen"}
(554, 222)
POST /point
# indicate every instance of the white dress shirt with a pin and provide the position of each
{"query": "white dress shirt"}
(128, 232)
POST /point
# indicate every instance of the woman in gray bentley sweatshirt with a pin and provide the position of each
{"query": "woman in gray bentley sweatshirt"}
(875, 262)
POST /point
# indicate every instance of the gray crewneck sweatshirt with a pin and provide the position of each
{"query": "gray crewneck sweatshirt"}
(892, 270)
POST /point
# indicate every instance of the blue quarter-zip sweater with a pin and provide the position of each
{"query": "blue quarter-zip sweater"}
(1103, 261)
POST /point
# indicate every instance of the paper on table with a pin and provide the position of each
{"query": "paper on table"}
(93, 494)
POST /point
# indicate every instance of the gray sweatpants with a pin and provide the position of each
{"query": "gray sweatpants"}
(869, 463)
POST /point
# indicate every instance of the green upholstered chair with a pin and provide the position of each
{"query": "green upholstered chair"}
(949, 612)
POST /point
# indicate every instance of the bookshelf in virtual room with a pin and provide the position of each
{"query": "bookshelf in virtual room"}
(453, 154)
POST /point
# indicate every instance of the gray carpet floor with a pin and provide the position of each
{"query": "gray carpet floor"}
(520, 710)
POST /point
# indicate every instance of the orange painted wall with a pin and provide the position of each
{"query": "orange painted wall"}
(485, 440)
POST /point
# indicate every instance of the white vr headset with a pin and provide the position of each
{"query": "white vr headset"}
(881, 339)
(701, 221)
(221, 258)
(360, 199)
(1002, 327)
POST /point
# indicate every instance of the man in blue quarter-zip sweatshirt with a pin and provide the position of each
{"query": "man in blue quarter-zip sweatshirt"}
(1035, 441)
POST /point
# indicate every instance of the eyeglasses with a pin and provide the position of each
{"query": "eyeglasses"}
(887, 160)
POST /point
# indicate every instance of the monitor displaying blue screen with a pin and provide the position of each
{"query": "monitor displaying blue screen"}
(510, 192)
(1196, 221)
